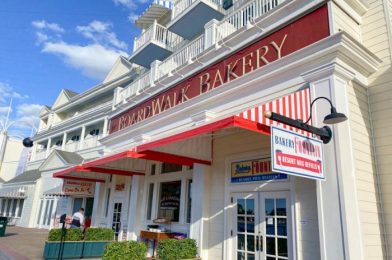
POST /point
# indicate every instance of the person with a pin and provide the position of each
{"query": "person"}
(78, 219)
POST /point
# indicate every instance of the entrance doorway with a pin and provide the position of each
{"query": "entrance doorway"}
(261, 227)
(116, 221)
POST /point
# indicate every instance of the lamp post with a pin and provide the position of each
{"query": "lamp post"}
(325, 132)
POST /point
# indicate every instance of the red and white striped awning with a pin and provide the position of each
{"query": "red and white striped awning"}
(295, 106)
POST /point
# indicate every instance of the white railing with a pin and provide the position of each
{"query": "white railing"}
(238, 16)
(237, 19)
(180, 6)
(182, 56)
(91, 141)
(72, 147)
(160, 34)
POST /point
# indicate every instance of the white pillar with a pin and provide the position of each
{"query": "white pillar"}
(81, 143)
(200, 204)
(135, 206)
(210, 37)
(96, 213)
(338, 209)
(34, 151)
(154, 71)
(48, 149)
(3, 144)
(105, 127)
(64, 141)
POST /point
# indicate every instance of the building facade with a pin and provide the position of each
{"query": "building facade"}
(185, 139)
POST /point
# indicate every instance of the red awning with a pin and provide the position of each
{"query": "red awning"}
(295, 105)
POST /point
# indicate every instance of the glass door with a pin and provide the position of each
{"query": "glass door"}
(261, 226)
(116, 223)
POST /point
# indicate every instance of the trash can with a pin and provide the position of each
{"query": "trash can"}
(3, 225)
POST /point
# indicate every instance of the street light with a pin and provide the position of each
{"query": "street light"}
(325, 132)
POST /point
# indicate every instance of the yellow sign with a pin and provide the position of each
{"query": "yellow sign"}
(254, 170)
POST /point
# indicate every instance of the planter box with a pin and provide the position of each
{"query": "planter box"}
(75, 250)
(94, 248)
(71, 250)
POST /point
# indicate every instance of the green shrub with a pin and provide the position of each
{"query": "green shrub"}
(188, 248)
(72, 234)
(99, 234)
(169, 249)
(125, 250)
(173, 249)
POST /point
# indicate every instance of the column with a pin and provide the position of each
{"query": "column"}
(135, 204)
(82, 135)
(337, 202)
(200, 205)
(105, 127)
(34, 151)
(64, 141)
(48, 147)
(96, 213)
(210, 37)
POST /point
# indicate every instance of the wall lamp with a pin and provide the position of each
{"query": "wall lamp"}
(325, 132)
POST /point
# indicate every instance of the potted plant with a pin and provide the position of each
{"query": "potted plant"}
(95, 241)
(173, 249)
(125, 250)
(72, 247)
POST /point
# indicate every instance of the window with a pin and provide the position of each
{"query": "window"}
(75, 138)
(7, 213)
(21, 202)
(14, 204)
(170, 167)
(3, 203)
(169, 201)
(78, 203)
(153, 169)
(50, 213)
(94, 132)
(149, 202)
(59, 143)
(189, 202)
(107, 201)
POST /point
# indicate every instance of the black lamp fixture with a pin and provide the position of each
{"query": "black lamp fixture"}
(325, 132)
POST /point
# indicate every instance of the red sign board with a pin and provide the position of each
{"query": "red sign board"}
(297, 35)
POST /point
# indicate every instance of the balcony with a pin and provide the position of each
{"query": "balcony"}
(72, 146)
(40, 155)
(156, 43)
(190, 16)
(238, 16)
(91, 141)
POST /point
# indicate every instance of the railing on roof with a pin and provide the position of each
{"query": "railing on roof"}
(159, 34)
(180, 6)
(235, 20)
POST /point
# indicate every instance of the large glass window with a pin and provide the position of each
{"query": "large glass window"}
(169, 201)
(14, 204)
(21, 202)
(50, 212)
(3, 203)
(189, 202)
(149, 202)
(7, 213)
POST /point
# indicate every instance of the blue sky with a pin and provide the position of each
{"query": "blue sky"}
(48, 45)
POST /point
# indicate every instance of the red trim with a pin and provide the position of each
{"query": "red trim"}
(107, 159)
(80, 178)
(172, 158)
(113, 171)
(69, 170)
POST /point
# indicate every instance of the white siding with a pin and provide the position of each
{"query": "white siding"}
(343, 22)
(365, 172)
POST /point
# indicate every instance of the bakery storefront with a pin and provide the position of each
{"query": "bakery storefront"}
(204, 148)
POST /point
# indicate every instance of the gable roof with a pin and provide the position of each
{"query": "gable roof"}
(27, 176)
(44, 110)
(60, 159)
(64, 97)
(119, 68)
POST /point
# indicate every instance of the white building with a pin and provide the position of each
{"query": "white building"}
(187, 140)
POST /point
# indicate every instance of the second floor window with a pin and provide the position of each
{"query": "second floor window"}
(59, 143)
(75, 138)
(94, 132)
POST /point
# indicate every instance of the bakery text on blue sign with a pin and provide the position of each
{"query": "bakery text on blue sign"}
(254, 170)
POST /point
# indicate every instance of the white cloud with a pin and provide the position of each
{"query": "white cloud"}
(7, 93)
(49, 26)
(93, 60)
(100, 32)
(133, 17)
(28, 113)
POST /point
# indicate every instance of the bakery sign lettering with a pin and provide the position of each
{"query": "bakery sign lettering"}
(78, 187)
(295, 36)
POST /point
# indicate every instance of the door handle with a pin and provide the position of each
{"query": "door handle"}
(261, 243)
